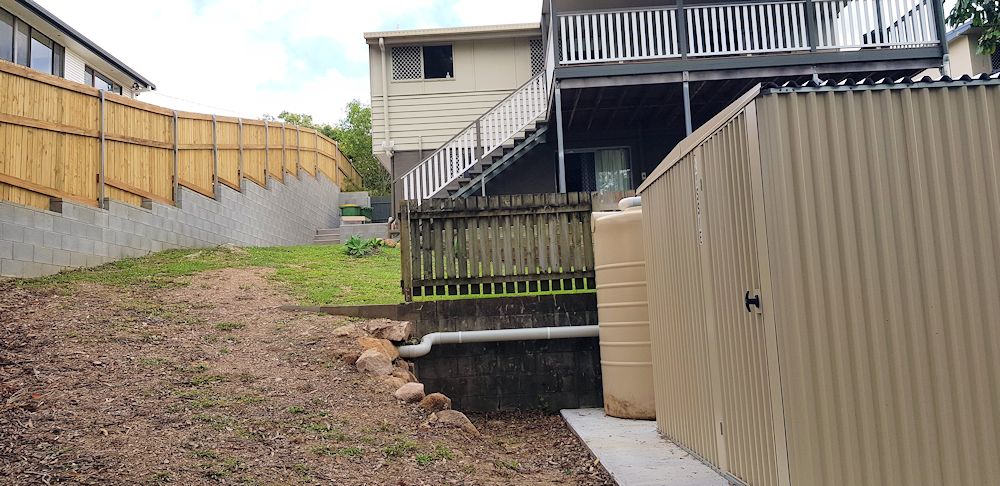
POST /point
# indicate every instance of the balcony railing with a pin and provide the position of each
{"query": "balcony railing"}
(736, 29)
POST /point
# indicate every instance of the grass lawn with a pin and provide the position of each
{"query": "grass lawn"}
(316, 275)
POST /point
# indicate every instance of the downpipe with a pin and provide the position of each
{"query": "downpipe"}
(495, 335)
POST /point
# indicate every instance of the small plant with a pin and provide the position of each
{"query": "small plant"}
(400, 447)
(357, 246)
(296, 410)
(350, 452)
(228, 326)
(424, 459)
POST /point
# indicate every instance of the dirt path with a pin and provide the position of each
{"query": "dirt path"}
(210, 383)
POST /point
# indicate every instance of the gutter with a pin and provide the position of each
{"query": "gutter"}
(70, 32)
(495, 335)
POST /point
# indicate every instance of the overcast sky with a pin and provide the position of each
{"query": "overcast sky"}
(251, 57)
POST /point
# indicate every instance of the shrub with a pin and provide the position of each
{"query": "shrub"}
(357, 246)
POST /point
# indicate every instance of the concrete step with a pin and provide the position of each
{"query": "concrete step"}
(328, 231)
(335, 241)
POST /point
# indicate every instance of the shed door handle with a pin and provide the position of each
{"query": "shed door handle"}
(751, 301)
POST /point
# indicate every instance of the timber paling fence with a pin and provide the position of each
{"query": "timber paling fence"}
(497, 245)
(64, 140)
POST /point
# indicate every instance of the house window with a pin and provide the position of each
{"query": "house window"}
(100, 81)
(598, 170)
(996, 61)
(427, 62)
(6, 36)
(41, 53)
(537, 57)
(438, 63)
(21, 44)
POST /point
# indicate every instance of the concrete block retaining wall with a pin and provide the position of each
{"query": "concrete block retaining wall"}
(547, 375)
(35, 242)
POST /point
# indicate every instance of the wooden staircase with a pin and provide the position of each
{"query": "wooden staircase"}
(471, 184)
(488, 142)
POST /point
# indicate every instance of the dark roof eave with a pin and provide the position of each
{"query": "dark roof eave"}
(89, 44)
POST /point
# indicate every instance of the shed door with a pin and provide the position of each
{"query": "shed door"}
(729, 254)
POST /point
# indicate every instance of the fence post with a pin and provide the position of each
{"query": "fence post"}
(682, 26)
(283, 168)
(298, 149)
(336, 163)
(103, 154)
(406, 252)
(316, 153)
(215, 157)
(176, 161)
(239, 169)
(267, 152)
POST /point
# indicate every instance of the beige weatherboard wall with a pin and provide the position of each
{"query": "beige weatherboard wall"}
(419, 115)
(823, 268)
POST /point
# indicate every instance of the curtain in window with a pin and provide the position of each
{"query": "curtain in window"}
(612, 170)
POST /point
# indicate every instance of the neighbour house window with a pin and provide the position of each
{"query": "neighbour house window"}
(537, 57)
(21, 31)
(41, 53)
(996, 61)
(100, 81)
(427, 62)
(6, 36)
(21, 44)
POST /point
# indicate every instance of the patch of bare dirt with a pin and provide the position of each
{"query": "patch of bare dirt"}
(211, 383)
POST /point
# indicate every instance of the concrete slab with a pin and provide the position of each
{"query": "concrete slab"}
(635, 455)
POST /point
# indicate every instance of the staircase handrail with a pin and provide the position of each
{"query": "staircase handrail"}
(466, 148)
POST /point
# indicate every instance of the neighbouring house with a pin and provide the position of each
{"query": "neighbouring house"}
(964, 58)
(31, 36)
(607, 89)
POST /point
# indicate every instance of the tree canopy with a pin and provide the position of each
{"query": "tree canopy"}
(354, 135)
(984, 14)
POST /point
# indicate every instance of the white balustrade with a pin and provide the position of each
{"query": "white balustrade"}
(752, 28)
(768, 27)
(624, 35)
(508, 118)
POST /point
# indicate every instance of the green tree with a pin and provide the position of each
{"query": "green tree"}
(984, 14)
(354, 135)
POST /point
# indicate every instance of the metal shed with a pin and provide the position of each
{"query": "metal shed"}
(823, 266)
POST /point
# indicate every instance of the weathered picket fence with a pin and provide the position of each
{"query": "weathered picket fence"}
(497, 244)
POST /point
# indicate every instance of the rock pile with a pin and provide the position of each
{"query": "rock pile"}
(380, 357)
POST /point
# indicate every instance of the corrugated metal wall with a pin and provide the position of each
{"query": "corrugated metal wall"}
(729, 255)
(869, 218)
(685, 409)
(883, 226)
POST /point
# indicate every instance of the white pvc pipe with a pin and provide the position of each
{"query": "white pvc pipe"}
(629, 202)
(495, 335)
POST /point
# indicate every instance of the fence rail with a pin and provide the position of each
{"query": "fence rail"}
(497, 244)
(60, 139)
(755, 27)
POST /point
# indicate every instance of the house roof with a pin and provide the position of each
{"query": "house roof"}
(72, 33)
(450, 33)
(961, 30)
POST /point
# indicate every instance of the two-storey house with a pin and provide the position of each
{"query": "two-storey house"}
(606, 89)
(33, 37)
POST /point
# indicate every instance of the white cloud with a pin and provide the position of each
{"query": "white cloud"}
(250, 57)
(478, 12)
